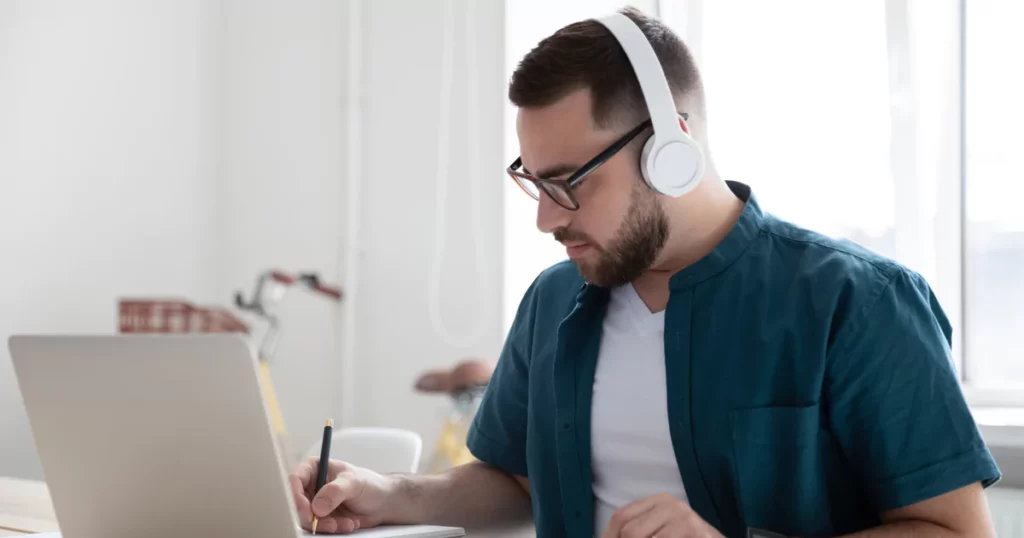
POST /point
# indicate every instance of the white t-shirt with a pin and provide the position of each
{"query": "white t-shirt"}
(631, 447)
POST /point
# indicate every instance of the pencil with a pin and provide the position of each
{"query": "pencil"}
(325, 456)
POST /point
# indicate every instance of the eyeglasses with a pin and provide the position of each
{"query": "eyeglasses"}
(560, 190)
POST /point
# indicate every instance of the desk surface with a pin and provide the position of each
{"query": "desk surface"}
(25, 507)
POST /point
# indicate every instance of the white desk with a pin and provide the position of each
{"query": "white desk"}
(25, 508)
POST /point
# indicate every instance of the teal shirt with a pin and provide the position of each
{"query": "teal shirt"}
(810, 387)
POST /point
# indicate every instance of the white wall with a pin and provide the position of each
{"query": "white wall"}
(105, 181)
(281, 133)
(401, 113)
(203, 142)
(287, 73)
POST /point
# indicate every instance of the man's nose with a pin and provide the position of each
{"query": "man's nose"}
(550, 215)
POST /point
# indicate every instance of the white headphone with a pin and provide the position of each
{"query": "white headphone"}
(671, 162)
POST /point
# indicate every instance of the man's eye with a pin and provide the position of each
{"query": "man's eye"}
(586, 180)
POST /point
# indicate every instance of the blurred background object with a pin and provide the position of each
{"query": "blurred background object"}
(155, 316)
(465, 385)
(385, 450)
(179, 148)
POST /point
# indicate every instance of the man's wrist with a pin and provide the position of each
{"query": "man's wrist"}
(758, 533)
(403, 503)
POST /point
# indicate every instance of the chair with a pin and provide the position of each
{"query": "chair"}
(384, 450)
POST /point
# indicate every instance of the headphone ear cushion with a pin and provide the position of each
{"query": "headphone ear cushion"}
(647, 165)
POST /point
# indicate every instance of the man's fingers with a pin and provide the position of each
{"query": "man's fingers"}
(336, 525)
(626, 514)
(305, 472)
(301, 502)
(329, 498)
(327, 504)
(646, 524)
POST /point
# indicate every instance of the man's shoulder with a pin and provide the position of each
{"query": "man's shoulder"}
(817, 254)
(558, 284)
(548, 300)
(841, 276)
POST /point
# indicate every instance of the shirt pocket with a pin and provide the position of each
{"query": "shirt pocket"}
(781, 457)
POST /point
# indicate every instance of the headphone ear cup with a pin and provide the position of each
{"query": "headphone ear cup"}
(673, 169)
(647, 165)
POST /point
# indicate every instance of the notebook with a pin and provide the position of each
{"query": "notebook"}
(401, 531)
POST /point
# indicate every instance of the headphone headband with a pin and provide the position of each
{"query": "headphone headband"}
(657, 94)
(671, 162)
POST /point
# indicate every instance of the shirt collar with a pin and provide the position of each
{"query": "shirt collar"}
(742, 234)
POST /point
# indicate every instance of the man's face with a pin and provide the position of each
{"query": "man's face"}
(620, 227)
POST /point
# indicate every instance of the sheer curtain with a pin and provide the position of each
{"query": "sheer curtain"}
(994, 190)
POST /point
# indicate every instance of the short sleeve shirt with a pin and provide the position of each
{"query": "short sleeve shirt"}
(810, 387)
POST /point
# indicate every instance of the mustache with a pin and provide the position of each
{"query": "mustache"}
(563, 235)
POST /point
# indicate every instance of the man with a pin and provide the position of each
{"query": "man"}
(699, 368)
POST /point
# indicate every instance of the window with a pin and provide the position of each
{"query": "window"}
(808, 127)
(994, 192)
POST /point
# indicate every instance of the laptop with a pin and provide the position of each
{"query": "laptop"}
(159, 436)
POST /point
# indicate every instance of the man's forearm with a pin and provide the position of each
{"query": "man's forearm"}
(909, 529)
(471, 496)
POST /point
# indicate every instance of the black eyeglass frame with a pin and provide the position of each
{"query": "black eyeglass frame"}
(555, 187)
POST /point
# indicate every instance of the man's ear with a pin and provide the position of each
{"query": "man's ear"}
(686, 128)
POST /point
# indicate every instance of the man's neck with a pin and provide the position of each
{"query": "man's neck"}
(699, 222)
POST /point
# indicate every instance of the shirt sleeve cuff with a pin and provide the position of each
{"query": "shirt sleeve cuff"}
(934, 480)
(496, 454)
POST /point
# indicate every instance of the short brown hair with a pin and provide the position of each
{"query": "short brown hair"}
(586, 55)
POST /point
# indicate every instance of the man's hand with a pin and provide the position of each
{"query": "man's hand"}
(661, 516)
(353, 497)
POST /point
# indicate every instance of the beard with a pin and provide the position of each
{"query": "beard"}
(633, 249)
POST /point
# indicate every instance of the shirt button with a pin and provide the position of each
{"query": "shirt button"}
(579, 514)
(565, 426)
